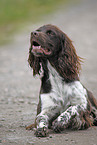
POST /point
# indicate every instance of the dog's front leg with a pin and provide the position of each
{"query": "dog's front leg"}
(49, 111)
(42, 125)
(72, 117)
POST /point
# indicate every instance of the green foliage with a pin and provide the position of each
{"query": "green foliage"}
(13, 13)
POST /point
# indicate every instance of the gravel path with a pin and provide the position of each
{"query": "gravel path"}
(19, 90)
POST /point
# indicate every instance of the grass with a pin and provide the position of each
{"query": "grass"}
(15, 13)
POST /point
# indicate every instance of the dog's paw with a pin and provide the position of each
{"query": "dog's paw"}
(57, 126)
(41, 132)
(30, 127)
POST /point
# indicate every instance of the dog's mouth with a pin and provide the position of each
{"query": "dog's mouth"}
(39, 50)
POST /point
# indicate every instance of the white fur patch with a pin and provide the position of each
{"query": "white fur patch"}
(62, 97)
(68, 93)
(41, 72)
(46, 101)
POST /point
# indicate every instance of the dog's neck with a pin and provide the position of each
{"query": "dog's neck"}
(52, 65)
(53, 73)
(63, 70)
(55, 79)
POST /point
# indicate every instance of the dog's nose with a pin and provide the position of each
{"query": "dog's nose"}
(35, 33)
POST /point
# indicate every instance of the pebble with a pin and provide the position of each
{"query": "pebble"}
(66, 139)
(50, 136)
(30, 143)
(11, 130)
(3, 119)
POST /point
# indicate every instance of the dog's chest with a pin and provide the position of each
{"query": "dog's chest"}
(67, 93)
(59, 87)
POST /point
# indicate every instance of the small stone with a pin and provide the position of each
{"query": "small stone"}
(11, 130)
(3, 119)
(22, 125)
(73, 141)
(66, 139)
(50, 136)
(31, 143)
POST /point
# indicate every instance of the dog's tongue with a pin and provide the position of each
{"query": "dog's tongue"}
(36, 47)
(39, 49)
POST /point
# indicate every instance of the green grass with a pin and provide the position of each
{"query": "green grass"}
(15, 13)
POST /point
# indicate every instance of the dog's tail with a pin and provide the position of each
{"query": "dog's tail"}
(93, 102)
(31, 127)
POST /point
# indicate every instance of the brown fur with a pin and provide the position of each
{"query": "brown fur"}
(64, 59)
(67, 62)
(92, 99)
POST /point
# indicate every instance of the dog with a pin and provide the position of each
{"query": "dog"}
(63, 101)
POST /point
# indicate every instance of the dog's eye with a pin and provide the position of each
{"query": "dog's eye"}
(49, 32)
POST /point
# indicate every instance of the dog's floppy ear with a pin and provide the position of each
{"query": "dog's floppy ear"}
(69, 62)
(34, 63)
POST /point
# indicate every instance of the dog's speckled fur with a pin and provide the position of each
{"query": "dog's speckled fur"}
(63, 101)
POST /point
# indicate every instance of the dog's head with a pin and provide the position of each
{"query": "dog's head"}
(45, 41)
(49, 42)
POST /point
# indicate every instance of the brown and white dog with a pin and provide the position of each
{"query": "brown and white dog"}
(63, 101)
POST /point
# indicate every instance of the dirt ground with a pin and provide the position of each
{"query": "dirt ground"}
(19, 90)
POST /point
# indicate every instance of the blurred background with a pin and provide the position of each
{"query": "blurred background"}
(18, 89)
(16, 14)
(77, 18)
